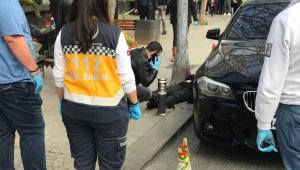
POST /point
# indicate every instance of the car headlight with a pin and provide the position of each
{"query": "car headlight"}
(212, 88)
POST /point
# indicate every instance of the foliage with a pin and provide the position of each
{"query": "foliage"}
(130, 41)
(35, 4)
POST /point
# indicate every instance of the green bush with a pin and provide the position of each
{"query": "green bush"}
(34, 3)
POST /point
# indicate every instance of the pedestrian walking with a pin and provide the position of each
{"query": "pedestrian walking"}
(227, 7)
(146, 9)
(145, 64)
(281, 68)
(172, 10)
(92, 74)
(162, 7)
(20, 85)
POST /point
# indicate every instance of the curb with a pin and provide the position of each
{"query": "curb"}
(169, 142)
(140, 154)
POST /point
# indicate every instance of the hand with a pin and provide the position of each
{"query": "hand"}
(135, 11)
(265, 136)
(38, 81)
(156, 64)
(135, 111)
(196, 23)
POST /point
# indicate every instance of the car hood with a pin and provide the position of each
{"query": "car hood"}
(238, 61)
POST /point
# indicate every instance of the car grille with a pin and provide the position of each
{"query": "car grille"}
(249, 100)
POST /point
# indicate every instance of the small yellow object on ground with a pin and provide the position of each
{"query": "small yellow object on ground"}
(184, 162)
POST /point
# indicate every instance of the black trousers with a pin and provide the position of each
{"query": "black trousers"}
(143, 93)
(174, 25)
(227, 6)
(89, 140)
(175, 94)
(146, 13)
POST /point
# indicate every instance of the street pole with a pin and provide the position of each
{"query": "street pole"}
(202, 13)
(181, 66)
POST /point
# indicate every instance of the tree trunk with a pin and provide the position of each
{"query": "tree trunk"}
(181, 66)
(202, 13)
(111, 10)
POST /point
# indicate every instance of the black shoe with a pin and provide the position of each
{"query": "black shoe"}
(170, 107)
(164, 32)
(152, 104)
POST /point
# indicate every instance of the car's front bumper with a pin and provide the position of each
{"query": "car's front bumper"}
(225, 122)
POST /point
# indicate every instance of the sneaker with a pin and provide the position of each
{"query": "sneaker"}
(229, 14)
(164, 32)
(225, 13)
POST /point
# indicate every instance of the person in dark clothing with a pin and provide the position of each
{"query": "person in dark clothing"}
(227, 7)
(62, 13)
(162, 7)
(176, 93)
(53, 8)
(235, 5)
(145, 64)
(146, 9)
(172, 10)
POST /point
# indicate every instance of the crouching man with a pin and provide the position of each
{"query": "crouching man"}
(145, 64)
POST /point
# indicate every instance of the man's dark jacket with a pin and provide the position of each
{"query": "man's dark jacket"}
(152, 5)
(62, 13)
(143, 71)
(172, 10)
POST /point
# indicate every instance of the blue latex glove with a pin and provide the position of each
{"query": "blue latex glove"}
(156, 64)
(196, 23)
(135, 111)
(267, 136)
(60, 107)
(38, 81)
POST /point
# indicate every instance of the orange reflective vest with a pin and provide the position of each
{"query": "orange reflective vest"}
(91, 78)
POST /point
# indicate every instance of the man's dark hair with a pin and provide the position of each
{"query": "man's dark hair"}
(154, 46)
(83, 26)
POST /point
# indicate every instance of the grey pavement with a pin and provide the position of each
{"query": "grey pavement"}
(146, 136)
(206, 156)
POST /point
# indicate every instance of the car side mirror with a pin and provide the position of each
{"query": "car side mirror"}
(213, 34)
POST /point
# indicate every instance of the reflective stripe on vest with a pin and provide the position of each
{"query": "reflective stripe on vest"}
(91, 78)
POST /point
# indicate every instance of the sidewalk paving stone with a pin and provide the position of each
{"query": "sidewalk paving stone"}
(147, 136)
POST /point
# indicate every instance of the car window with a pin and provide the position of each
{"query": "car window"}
(254, 21)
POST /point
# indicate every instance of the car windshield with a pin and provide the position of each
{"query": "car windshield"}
(254, 21)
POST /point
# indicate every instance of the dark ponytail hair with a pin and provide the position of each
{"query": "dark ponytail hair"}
(83, 17)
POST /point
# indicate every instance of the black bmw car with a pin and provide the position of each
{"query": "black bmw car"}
(226, 83)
